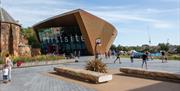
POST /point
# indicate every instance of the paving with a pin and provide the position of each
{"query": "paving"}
(170, 66)
(33, 78)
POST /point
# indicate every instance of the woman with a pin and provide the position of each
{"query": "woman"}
(9, 63)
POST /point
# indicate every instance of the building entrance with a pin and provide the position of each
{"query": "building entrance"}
(60, 40)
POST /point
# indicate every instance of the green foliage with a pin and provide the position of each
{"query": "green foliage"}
(97, 66)
(137, 48)
(22, 59)
(37, 58)
(1, 62)
(146, 49)
(174, 57)
(178, 49)
(122, 48)
(163, 46)
(113, 47)
(31, 36)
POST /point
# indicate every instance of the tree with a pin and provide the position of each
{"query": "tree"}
(163, 46)
(136, 48)
(125, 48)
(178, 49)
(31, 36)
(113, 47)
(119, 47)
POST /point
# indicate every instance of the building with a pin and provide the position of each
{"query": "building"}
(74, 31)
(10, 37)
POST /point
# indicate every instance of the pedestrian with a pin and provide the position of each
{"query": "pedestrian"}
(144, 60)
(113, 53)
(147, 54)
(165, 57)
(117, 57)
(5, 73)
(162, 56)
(79, 54)
(9, 63)
(109, 54)
(106, 55)
(132, 57)
(75, 54)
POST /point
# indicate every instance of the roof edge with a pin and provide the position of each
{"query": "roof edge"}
(60, 15)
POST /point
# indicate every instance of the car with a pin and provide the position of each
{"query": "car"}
(137, 55)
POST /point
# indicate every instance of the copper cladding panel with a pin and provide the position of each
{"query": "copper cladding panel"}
(93, 27)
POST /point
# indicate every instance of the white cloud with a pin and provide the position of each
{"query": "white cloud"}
(163, 25)
(34, 10)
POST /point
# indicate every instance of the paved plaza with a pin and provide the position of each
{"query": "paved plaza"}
(33, 78)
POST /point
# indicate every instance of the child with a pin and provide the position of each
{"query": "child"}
(5, 74)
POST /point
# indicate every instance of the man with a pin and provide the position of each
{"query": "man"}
(163, 56)
(117, 57)
(144, 59)
(132, 56)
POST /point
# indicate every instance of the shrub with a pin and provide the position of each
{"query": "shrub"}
(1, 62)
(97, 66)
(22, 59)
(174, 57)
(36, 58)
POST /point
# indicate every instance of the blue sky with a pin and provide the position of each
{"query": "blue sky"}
(135, 20)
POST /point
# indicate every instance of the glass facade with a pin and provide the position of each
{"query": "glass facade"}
(60, 40)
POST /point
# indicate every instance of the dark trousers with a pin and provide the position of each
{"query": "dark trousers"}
(144, 62)
(117, 59)
(132, 60)
(5, 77)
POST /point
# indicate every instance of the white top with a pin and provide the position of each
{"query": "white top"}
(5, 71)
(9, 62)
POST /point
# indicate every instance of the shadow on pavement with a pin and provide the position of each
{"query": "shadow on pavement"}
(67, 76)
(163, 86)
(144, 77)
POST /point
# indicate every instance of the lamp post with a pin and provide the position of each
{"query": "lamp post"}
(98, 42)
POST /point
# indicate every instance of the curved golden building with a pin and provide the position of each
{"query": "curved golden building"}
(75, 30)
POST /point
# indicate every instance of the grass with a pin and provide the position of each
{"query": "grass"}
(174, 57)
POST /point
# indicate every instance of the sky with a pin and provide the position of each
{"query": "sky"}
(137, 21)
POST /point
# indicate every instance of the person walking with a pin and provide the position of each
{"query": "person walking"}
(117, 57)
(132, 57)
(163, 56)
(109, 54)
(106, 55)
(79, 54)
(144, 60)
(9, 63)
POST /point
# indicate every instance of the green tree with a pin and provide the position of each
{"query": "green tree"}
(137, 48)
(113, 47)
(178, 49)
(125, 48)
(164, 46)
(31, 36)
(119, 47)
